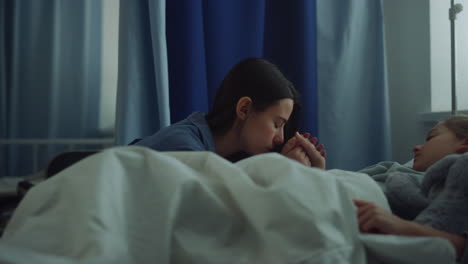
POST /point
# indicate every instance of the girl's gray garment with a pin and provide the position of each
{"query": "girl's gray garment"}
(401, 185)
(439, 200)
(190, 134)
(446, 186)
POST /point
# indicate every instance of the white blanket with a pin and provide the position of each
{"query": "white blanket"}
(135, 205)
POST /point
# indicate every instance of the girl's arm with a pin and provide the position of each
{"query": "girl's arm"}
(458, 241)
(373, 219)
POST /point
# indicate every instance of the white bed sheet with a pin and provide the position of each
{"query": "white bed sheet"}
(135, 205)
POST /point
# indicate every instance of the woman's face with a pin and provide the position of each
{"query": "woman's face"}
(264, 130)
(440, 142)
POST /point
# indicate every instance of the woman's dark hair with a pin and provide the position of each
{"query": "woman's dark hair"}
(258, 79)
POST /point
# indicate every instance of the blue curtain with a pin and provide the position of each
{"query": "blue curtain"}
(142, 93)
(49, 75)
(352, 85)
(339, 68)
(206, 38)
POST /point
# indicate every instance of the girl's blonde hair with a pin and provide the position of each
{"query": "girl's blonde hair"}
(458, 124)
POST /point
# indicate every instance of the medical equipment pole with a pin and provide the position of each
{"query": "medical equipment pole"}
(453, 11)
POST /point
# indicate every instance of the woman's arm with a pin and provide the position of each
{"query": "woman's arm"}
(373, 219)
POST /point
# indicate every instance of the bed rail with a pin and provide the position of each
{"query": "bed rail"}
(71, 144)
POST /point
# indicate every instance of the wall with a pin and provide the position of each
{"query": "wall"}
(407, 37)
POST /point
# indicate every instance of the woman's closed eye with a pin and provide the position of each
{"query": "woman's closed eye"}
(279, 123)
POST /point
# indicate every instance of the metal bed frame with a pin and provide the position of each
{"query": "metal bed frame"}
(72, 145)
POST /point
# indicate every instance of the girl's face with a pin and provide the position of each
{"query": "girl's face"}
(264, 130)
(440, 142)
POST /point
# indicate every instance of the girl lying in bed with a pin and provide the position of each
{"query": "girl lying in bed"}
(444, 186)
(251, 108)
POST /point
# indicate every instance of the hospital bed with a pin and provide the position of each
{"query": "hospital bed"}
(136, 205)
(61, 152)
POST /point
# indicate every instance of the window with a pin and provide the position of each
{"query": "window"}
(441, 56)
(109, 66)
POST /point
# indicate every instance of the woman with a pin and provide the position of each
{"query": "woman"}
(448, 137)
(250, 111)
